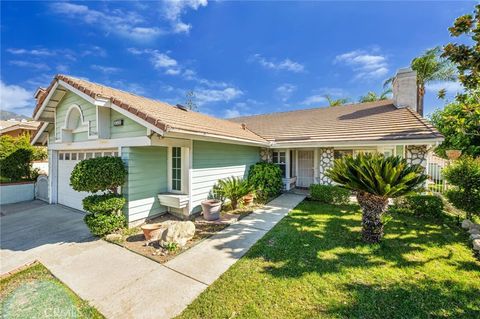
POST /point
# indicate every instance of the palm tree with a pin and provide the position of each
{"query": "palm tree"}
(372, 96)
(336, 102)
(376, 178)
(430, 67)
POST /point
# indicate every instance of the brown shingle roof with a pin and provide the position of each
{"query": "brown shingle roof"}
(159, 114)
(373, 121)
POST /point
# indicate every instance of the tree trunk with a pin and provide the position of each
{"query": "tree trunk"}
(373, 207)
(420, 96)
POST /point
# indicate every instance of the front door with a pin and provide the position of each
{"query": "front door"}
(305, 169)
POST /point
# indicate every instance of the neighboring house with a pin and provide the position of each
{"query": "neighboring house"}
(16, 128)
(174, 156)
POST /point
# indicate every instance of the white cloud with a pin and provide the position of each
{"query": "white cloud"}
(285, 91)
(31, 65)
(204, 96)
(161, 60)
(127, 24)
(191, 75)
(105, 69)
(34, 52)
(286, 64)
(230, 113)
(450, 86)
(365, 65)
(14, 97)
(174, 9)
(314, 99)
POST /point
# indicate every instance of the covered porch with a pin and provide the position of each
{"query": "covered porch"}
(304, 166)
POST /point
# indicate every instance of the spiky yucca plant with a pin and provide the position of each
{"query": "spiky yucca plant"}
(376, 178)
(233, 188)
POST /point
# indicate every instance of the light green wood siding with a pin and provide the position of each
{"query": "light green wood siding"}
(89, 115)
(400, 150)
(130, 128)
(147, 176)
(214, 161)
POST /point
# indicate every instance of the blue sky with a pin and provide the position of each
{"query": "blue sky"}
(238, 57)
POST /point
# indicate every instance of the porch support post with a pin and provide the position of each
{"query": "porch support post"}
(325, 163)
(52, 176)
(287, 169)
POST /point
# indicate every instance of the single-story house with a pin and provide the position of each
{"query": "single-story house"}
(16, 128)
(174, 155)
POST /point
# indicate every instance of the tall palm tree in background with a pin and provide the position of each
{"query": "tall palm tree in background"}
(372, 96)
(430, 67)
(336, 102)
(376, 178)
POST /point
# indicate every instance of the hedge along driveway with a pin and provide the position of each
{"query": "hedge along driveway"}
(314, 265)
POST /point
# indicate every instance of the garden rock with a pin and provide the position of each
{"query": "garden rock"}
(466, 224)
(475, 226)
(114, 237)
(178, 232)
(474, 231)
(474, 236)
(476, 244)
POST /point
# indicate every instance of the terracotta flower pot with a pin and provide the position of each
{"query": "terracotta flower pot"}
(248, 199)
(148, 229)
(211, 209)
(453, 154)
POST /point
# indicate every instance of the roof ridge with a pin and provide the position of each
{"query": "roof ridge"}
(326, 107)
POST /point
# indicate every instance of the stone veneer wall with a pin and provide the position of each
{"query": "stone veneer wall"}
(266, 155)
(325, 161)
(416, 154)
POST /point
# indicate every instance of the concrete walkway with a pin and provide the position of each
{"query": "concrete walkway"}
(119, 283)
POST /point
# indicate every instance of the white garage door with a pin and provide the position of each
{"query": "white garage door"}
(66, 162)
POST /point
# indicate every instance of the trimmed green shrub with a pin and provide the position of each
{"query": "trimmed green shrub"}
(233, 188)
(420, 205)
(106, 203)
(464, 173)
(266, 179)
(17, 165)
(330, 194)
(98, 174)
(103, 224)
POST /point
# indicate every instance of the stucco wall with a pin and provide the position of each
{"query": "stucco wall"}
(15, 193)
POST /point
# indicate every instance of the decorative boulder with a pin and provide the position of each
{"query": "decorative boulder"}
(476, 244)
(475, 236)
(178, 232)
(466, 224)
(474, 231)
(475, 226)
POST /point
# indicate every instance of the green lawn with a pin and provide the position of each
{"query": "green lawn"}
(35, 293)
(314, 265)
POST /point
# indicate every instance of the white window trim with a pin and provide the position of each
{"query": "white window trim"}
(184, 171)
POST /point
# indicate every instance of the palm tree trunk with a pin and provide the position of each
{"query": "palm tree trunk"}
(420, 96)
(373, 207)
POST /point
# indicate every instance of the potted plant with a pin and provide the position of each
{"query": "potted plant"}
(453, 154)
(248, 199)
(149, 228)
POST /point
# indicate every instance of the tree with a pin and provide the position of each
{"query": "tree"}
(336, 102)
(430, 67)
(466, 57)
(465, 175)
(459, 123)
(372, 96)
(376, 178)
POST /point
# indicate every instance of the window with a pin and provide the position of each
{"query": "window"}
(279, 158)
(60, 156)
(98, 154)
(67, 156)
(88, 155)
(342, 153)
(107, 153)
(74, 156)
(81, 156)
(176, 168)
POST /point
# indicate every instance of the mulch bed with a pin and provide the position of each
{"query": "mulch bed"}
(134, 240)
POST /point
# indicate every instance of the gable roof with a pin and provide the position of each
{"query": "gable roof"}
(162, 115)
(374, 121)
(7, 126)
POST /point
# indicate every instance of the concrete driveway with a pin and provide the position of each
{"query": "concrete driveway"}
(119, 283)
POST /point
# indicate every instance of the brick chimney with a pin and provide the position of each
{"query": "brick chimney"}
(405, 89)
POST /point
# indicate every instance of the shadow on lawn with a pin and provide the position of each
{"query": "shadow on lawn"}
(424, 299)
(328, 240)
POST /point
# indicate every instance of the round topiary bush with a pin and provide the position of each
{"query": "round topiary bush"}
(101, 224)
(98, 174)
(266, 179)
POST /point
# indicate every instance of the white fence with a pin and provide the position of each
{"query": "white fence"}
(436, 181)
